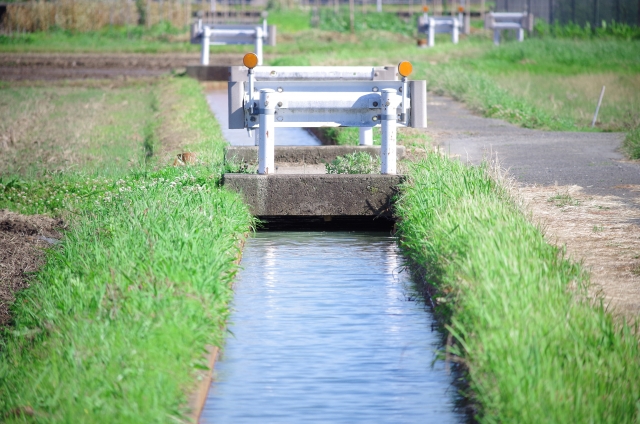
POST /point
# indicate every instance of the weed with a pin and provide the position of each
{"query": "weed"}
(354, 163)
(562, 200)
(235, 166)
(631, 143)
(598, 228)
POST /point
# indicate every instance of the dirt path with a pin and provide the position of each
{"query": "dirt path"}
(577, 186)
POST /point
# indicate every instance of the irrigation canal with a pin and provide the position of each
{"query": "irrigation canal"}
(324, 331)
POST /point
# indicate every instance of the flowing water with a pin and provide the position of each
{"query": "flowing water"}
(324, 331)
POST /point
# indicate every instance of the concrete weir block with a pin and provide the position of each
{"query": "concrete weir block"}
(324, 195)
(208, 72)
(311, 155)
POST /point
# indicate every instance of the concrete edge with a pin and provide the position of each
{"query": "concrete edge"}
(308, 195)
(310, 155)
(199, 397)
(208, 73)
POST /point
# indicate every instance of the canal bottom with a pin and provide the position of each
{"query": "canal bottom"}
(324, 330)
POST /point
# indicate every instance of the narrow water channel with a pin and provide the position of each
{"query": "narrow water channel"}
(323, 331)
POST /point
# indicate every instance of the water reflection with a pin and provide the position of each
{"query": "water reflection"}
(323, 333)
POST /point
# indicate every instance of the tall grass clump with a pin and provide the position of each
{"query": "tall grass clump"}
(612, 30)
(631, 143)
(114, 327)
(534, 346)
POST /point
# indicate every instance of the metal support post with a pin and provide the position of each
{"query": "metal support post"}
(521, 34)
(266, 150)
(259, 44)
(405, 87)
(252, 80)
(496, 36)
(388, 118)
(204, 55)
(432, 32)
(366, 136)
(454, 30)
(379, 5)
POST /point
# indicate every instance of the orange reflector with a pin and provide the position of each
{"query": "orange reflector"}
(250, 60)
(405, 68)
(425, 9)
(460, 9)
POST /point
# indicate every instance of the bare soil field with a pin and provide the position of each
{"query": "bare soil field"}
(52, 66)
(23, 240)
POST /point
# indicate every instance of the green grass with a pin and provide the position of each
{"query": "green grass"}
(350, 136)
(549, 83)
(631, 144)
(161, 38)
(384, 21)
(354, 163)
(289, 21)
(533, 347)
(113, 328)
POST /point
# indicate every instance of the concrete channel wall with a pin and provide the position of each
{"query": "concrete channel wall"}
(319, 195)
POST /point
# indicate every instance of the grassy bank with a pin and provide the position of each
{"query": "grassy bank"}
(114, 327)
(533, 346)
(548, 83)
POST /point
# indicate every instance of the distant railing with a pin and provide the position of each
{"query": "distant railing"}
(515, 21)
(224, 34)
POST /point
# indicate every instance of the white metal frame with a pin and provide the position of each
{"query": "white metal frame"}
(498, 21)
(321, 73)
(266, 105)
(432, 25)
(223, 34)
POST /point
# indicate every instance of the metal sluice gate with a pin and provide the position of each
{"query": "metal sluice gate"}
(273, 97)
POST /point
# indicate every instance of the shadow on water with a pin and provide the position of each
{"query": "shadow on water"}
(327, 328)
